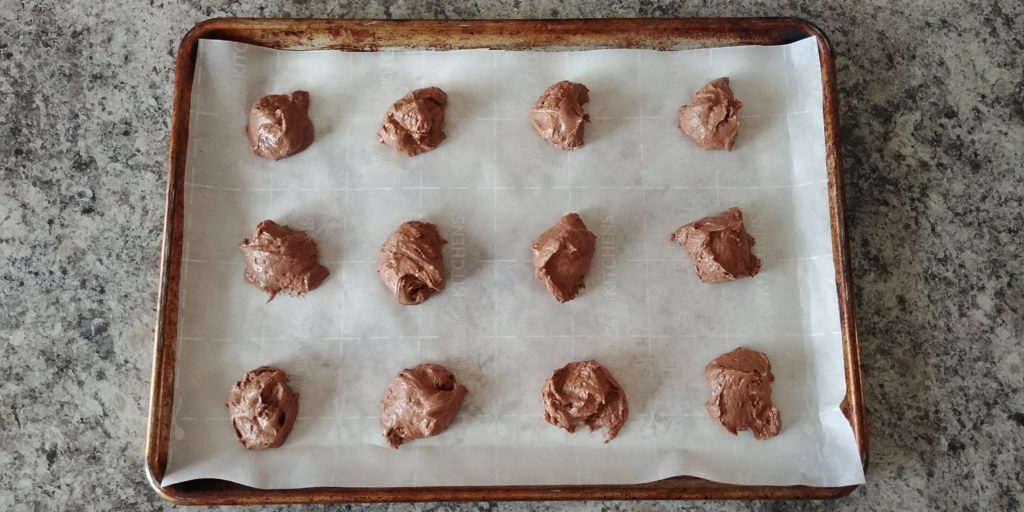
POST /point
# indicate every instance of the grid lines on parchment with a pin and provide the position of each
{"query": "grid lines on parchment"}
(572, 314)
(652, 404)
(573, 191)
(183, 292)
(807, 369)
(721, 297)
(494, 234)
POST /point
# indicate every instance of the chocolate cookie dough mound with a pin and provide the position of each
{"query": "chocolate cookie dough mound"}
(279, 258)
(413, 124)
(721, 248)
(263, 408)
(562, 256)
(558, 114)
(421, 402)
(741, 393)
(585, 392)
(411, 264)
(711, 117)
(279, 125)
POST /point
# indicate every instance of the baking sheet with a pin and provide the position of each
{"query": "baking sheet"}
(491, 188)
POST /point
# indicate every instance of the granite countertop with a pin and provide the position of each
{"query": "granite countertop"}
(932, 104)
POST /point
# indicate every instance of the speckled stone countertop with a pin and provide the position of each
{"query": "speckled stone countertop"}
(932, 102)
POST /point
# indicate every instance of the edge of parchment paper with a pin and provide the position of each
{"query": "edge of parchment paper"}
(371, 35)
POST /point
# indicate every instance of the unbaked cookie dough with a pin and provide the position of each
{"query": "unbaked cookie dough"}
(411, 264)
(741, 393)
(558, 114)
(279, 125)
(711, 117)
(263, 408)
(585, 392)
(413, 124)
(721, 248)
(279, 258)
(562, 256)
(421, 402)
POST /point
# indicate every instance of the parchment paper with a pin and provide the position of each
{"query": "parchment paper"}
(492, 187)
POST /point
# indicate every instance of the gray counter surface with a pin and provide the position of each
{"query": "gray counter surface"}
(932, 105)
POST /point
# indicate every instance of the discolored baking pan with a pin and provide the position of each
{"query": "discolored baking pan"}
(365, 35)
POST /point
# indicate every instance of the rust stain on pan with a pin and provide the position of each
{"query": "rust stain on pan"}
(371, 35)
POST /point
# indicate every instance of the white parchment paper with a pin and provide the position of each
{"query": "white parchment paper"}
(492, 187)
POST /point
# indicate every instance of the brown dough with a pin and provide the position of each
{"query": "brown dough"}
(410, 263)
(263, 408)
(413, 124)
(562, 256)
(558, 114)
(584, 391)
(279, 258)
(711, 117)
(421, 402)
(279, 125)
(720, 246)
(741, 393)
